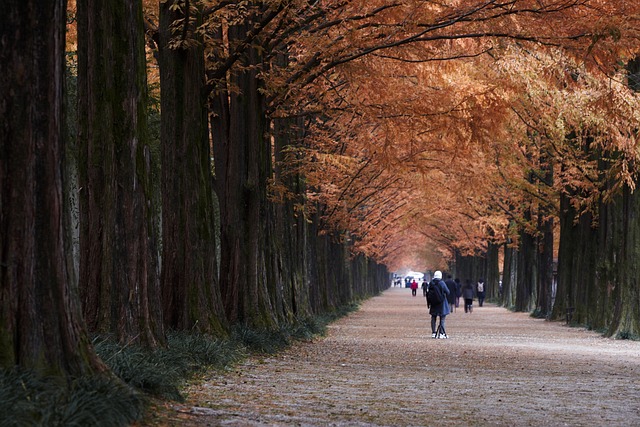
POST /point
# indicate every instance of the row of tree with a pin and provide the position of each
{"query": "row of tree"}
(304, 148)
(569, 245)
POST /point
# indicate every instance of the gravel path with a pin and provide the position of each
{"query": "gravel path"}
(380, 367)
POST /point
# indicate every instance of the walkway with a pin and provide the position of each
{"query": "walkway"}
(380, 367)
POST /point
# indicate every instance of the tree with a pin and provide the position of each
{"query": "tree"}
(325, 62)
(40, 321)
(119, 240)
(190, 288)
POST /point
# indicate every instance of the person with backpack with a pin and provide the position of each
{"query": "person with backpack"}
(481, 292)
(438, 305)
(467, 295)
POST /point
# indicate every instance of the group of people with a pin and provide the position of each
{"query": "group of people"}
(451, 291)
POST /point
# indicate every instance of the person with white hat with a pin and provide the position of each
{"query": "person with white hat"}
(438, 305)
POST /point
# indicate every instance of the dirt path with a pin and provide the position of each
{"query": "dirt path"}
(380, 367)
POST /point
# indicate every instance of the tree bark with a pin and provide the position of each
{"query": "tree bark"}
(509, 275)
(544, 303)
(288, 235)
(40, 321)
(243, 163)
(492, 271)
(119, 267)
(577, 262)
(527, 272)
(189, 281)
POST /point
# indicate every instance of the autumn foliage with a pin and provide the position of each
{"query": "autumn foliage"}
(308, 148)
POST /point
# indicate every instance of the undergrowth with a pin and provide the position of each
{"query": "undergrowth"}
(160, 373)
(27, 399)
(627, 335)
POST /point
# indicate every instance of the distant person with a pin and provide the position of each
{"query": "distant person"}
(414, 287)
(458, 291)
(425, 286)
(467, 295)
(438, 310)
(480, 289)
(451, 297)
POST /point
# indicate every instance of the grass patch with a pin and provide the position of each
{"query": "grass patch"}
(626, 335)
(263, 341)
(537, 314)
(27, 399)
(161, 373)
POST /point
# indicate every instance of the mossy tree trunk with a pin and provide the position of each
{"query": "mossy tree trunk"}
(40, 319)
(625, 322)
(544, 303)
(577, 262)
(190, 288)
(243, 163)
(526, 284)
(119, 265)
(544, 292)
(288, 235)
(618, 308)
(316, 260)
(613, 298)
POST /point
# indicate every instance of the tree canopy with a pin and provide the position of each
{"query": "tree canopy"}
(304, 150)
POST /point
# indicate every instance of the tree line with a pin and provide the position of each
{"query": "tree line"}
(284, 182)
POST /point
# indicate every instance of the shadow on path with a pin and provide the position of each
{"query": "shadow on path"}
(380, 367)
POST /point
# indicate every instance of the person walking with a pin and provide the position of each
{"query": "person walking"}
(481, 292)
(414, 287)
(438, 310)
(451, 298)
(467, 295)
(458, 291)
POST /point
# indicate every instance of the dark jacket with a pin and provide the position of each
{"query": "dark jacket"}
(443, 308)
(458, 288)
(467, 291)
(451, 285)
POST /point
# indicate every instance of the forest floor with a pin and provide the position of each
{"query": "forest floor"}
(379, 366)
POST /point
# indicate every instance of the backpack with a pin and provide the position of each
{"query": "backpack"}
(434, 294)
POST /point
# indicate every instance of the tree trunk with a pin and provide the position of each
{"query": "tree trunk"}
(509, 276)
(472, 268)
(288, 238)
(244, 158)
(119, 268)
(190, 290)
(527, 273)
(545, 246)
(40, 321)
(492, 271)
(613, 297)
(545, 266)
(626, 314)
(577, 261)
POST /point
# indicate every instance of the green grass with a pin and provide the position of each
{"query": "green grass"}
(27, 399)
(31, 400)
(161, 372)
(626, 335)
